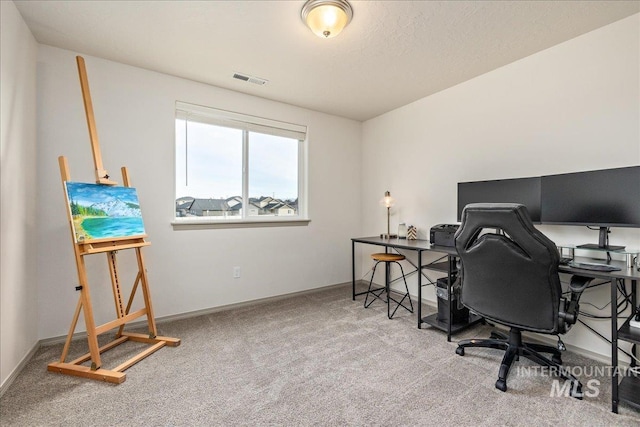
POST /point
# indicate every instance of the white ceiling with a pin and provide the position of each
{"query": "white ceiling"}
(392, 53)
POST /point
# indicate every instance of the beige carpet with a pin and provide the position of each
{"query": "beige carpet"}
(312, 359)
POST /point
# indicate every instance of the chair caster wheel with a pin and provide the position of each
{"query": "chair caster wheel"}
(576, 391)
(556, 359)
(460, 351)
(501, 385)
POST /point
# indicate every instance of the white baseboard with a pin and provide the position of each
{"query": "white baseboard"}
(16, 371)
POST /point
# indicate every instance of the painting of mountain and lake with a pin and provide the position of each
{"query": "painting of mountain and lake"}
(103, 211)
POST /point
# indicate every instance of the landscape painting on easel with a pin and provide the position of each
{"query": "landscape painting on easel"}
(103, 211)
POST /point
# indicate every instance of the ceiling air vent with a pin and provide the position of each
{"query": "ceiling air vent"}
(250, 79)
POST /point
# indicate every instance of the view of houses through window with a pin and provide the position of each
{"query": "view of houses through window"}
(232, 207)
(230, 169)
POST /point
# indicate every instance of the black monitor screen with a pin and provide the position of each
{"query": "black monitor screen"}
(525, 191)
(609, 198)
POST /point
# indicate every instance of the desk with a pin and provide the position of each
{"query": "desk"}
(419, 246)
(628, 390)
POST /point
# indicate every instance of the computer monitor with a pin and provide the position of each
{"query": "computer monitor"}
(526, 191)
(601, 198)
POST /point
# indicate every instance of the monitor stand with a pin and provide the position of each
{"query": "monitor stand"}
(603, 242)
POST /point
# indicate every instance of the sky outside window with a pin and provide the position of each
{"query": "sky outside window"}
(209, 165)
(273, 166)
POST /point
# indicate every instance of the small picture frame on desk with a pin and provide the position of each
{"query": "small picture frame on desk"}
(412, 233)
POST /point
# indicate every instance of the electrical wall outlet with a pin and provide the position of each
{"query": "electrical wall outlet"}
(236, 272)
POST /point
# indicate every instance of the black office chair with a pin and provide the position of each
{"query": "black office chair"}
(509, 275)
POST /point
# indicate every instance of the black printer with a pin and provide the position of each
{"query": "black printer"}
(443, 234)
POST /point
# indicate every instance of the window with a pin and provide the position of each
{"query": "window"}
(231, 167)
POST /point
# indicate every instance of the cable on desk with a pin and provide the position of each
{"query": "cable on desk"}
(622, 287)
(607, 304)
(622, 300)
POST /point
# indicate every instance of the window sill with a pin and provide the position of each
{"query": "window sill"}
(199, 224)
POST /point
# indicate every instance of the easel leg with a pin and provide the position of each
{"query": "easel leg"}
(84, 301)
(90, 324)
(133, 294)
(153, 332)
(72, 328)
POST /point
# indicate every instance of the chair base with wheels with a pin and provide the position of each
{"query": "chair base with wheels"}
(514, 347)
(377, 293)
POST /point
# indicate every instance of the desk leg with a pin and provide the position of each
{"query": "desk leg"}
(634, 304)
(614, 346)
(419, 289)
(353, 270)
(449, 295)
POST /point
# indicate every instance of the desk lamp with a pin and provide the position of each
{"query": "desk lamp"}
(387, 202)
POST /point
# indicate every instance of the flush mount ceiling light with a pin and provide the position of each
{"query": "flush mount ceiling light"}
(326, 18)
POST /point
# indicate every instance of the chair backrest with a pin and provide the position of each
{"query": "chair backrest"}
(509, 269)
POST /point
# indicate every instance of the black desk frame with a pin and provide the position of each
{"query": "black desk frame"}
(419, 246)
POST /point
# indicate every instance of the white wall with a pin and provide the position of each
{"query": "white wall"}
(18, 289)
(188, 270)
(572, 107)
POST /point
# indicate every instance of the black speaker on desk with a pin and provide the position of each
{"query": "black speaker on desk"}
(460, 312)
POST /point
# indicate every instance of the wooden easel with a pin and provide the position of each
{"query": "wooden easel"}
(109, 247)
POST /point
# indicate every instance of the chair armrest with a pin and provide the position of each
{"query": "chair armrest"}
(578, 285)
(569, 309)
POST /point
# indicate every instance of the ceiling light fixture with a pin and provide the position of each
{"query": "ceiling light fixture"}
(326, 18)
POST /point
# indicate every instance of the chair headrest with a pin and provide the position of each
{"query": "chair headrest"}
(512, 219)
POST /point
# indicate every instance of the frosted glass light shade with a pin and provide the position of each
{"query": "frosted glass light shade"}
(326, 18)
(387, 201)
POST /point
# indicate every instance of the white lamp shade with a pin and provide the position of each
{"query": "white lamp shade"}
(326, 18)
(387, 201)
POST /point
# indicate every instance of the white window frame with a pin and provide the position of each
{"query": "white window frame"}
(246, 123)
